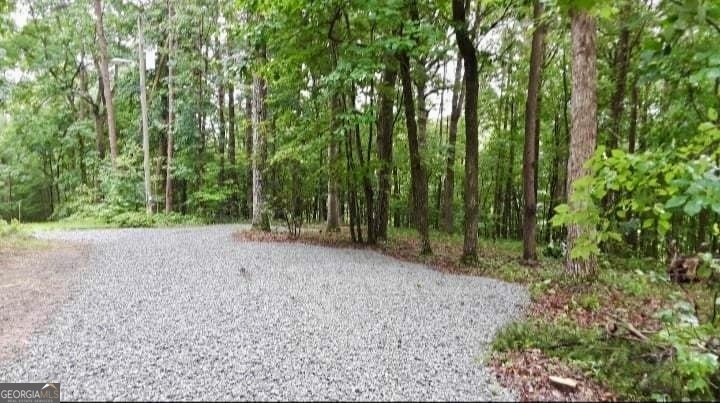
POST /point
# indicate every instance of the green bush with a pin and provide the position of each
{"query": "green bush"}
(132, 219)
(140, 219)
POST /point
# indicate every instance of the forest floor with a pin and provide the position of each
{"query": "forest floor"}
(34, 281)
(594, 336)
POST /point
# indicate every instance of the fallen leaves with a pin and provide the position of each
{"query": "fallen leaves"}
(535, 377)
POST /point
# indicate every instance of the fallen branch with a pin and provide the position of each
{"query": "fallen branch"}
(630, 328)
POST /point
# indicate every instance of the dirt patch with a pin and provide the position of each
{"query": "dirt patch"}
(33, 283)
(528, 373)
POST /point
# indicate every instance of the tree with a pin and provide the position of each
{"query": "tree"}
(583, 133)
(386, 92)
(532, 137)
(170, 112)
(107, 89)
(447, 212)
(144, 115)
(471, 82)
(419, 183)
(260, 216)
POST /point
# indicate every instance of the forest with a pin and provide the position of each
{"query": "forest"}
(581, 138)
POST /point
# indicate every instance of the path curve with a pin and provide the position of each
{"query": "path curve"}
(190, 313)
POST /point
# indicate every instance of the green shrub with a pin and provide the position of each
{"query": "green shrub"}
(132, 219)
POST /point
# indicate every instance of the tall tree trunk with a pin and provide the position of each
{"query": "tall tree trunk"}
(508, 193)
(249, 146)
(107, 89)
(419, 185)
(171, 112)
(261, 218)
(583, 135)
(385, 147)
(98, 114)
(620, 67)
(632, 131)
(367, 187)
(333, 188)
(221, 132)
(467, 51)
(447, 212)
(144, 113)
(232, 159)
(532, 138)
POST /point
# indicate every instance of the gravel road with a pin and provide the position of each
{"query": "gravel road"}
(190, 313)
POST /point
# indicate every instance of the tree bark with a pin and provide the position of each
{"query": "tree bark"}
(632, 131)
(107, 89)
(419, 185)
(620, 66)
(447, 212)
(467, 51)
(249, 146)
(221, 131)
(144, 117)
(583, 134)
(333, 203)
(385, 147)
(532, 138)
(171, 112)
(232, 159)
(260, 218)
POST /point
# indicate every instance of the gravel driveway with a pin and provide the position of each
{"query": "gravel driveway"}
(189, 313)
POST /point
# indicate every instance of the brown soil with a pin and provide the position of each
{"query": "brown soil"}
(33, 284)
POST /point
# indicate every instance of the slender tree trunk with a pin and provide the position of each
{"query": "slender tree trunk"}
(632, 132)
(467, 51)
(532, 137)
(261, 218)
(620, 66)
(107, 89)
(232, 159)
(221, 132)
(507, 197)
(418, 174)
(249, 146)
(333, 203)
(161, 71)
(385, 147)
(583, 134)
(171, 112)
(447, 211)
(98, 115)
(144, 113)
(367, 188)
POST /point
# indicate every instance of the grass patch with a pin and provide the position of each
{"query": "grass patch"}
(122, 220)
(14, 238)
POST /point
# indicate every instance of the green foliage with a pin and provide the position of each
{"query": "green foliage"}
(554, 249)
(696, 346)
(583, 211)
(636, 370)
(10, 229)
